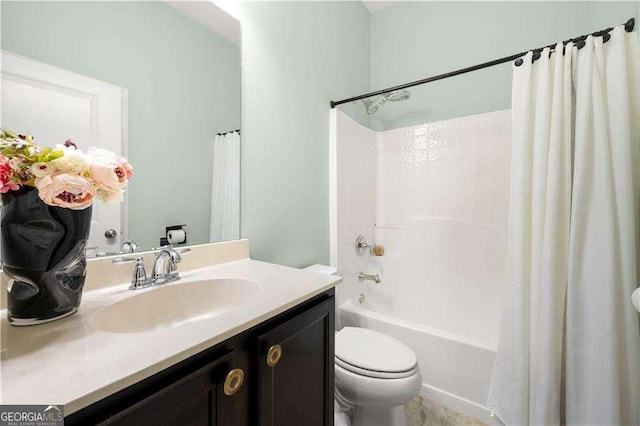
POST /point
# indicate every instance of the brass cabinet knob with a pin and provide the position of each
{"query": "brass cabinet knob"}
(274, 355)
(233, 382)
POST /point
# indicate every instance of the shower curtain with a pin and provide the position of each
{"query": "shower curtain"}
(569, 350)
(225, 197)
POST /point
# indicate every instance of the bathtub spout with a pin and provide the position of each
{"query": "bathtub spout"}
(375, 278)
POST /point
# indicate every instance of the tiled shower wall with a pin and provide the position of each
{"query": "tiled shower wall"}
(436, 197)
(442, 202)
(456, 169)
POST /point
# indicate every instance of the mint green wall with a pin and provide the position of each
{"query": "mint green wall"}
(296, 57)
(413, 40)
(184, 86)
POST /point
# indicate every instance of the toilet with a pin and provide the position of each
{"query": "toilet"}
(375, 375)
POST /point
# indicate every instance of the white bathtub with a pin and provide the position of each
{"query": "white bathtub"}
(455, 373)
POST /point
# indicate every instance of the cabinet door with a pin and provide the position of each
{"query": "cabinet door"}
(197, 399)
(296, 388)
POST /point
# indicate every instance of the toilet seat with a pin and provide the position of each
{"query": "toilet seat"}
(373, 373)
(372, 354)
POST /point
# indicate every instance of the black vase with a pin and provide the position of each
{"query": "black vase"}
(43, 254)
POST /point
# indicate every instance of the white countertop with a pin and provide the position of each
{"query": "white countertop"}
(70, 362)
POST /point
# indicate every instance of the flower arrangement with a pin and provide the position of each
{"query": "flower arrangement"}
(64, 176)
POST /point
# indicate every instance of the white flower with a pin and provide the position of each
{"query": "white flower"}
(17, 164)
(109, 197)
(72, 160)
(102, 157)
(41, 169)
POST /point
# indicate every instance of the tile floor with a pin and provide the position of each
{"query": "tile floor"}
(425, 412)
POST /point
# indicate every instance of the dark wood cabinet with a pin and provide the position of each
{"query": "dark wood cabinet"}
(196, 399)
(293, 389)
(286, 364)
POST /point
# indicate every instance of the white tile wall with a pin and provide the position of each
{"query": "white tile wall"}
(441, 212)
(455, 169)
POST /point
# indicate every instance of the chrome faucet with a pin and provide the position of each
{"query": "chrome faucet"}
(375, 278)
(165, 267)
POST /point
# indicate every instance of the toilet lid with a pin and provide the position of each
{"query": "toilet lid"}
(370, 350)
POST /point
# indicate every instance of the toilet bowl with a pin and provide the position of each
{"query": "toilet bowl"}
(375, 375)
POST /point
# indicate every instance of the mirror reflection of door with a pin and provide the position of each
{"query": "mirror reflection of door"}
(54, 105)
(180, 64)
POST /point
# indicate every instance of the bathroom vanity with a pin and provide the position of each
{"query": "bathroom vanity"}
(263, 356)
(276, 373)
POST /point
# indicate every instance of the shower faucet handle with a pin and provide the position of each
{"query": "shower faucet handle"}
(362, 246)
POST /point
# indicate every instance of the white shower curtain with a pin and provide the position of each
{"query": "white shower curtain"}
(569, 348)
(225, 197)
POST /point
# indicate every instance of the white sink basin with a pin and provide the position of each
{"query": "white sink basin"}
(174, 305)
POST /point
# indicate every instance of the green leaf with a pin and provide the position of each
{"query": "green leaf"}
(9, 134)
(53, 155)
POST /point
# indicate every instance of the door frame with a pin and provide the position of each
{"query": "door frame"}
(40, 73)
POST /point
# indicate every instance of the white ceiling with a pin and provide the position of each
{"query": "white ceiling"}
(377, 5)
(211, 16)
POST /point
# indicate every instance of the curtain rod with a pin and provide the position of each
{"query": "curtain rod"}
(628, 26)
(230, 131)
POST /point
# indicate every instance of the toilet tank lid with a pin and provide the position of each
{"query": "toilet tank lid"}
(322, 269)
(374, 351)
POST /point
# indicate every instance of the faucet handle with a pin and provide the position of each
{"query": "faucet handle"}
(174, 259)
(139, 279)
(129, 247)
(175, 256)
(362, 246)
(123, 260)
(182, 250)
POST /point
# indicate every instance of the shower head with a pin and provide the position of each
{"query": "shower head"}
(398, 95)
(372, 104)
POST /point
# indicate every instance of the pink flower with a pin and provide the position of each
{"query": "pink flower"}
(109, 177)
(66, 190)
(7, 176)
(128, 167)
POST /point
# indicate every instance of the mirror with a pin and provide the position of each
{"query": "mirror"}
(158, 82)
